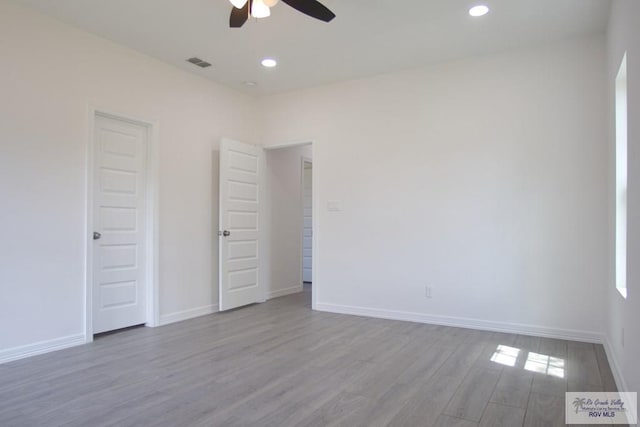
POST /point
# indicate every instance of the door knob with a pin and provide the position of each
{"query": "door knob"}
(226, 233)
(96, 235)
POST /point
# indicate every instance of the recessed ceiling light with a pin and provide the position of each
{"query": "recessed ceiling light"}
(479, 10)
(250, 83)
(269, 62)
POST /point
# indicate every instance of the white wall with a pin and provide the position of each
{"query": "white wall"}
(624, 35)
(50, 74)
(484, 178)
(284, 168)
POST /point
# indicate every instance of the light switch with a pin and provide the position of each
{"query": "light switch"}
(334, 206)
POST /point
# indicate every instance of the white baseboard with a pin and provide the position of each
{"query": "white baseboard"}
(615, 366)
(41, 347)
(463, 322)
(283, 292)
(179, 316)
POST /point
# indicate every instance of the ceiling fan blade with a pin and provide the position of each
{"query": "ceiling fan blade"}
(312, 8)
(239, 16)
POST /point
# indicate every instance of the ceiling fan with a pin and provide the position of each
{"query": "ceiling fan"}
(243, 9)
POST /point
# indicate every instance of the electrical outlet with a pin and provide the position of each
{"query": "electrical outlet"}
(427, 292)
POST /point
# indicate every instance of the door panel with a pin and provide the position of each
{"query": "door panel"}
(119, 193)
(241, 192)
(307, 223)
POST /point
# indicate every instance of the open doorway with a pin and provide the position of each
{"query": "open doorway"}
(290, 220)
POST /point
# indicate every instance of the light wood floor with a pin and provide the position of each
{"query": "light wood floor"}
(281, 364)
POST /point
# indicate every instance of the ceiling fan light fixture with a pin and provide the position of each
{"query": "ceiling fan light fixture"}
(259, 9)
(479, 10)
(238, 4)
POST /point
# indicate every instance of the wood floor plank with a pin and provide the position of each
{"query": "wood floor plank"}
(474, 393)
(336, 411)
(545, 410)
(374, 379)
(447, 421)
(546, 384)
(527, 343)
(553, 347)
(425, 406)
(462, 359)
(502, 416)
(503, 338)
(379, 412)
(606, 375)
(571, 386)
(429, 361)
(582, 365)
(513, 388)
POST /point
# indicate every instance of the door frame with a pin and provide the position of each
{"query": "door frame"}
(151, 217)
(315, 224)
(303, 160)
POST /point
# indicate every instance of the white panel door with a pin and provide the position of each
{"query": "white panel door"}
(307, 229)
(119, 264)
(241, 197)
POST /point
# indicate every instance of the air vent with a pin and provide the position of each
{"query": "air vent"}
(199, 62)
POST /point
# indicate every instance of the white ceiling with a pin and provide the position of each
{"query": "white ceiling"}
(367, 37)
